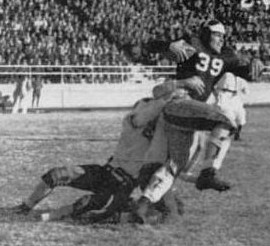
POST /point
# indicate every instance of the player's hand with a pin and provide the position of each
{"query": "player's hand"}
(164, 90)
(195, 84)
(180, 51)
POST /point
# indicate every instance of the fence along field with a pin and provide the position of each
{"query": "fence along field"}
(33, 143)
(102, 86)
(84, 86)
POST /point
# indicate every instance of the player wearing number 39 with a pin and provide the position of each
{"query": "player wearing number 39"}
(202, 58)
(201, 62)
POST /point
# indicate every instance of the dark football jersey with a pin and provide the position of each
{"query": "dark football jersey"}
(208, 65)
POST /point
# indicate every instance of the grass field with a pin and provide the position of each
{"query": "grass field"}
(33, 143)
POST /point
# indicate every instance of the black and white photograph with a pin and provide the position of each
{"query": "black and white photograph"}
(135, 122)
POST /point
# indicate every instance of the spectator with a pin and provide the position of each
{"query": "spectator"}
(257, 67)
(37, 84)
(21, 95)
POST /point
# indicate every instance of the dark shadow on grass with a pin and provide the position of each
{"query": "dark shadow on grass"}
(114, 224)
(8, 215)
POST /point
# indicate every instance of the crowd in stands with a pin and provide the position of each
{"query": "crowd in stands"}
(81, 32)
(137, 21)
(46, 32)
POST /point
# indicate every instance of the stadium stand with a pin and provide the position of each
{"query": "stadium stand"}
(80, 32)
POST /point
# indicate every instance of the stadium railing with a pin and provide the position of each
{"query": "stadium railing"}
(85, 74)
(266, 70)
(89, 86)
(86, 86)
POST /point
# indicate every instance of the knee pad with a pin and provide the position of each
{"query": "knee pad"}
(60, 176)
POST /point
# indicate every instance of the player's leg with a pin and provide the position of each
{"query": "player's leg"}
(83, 205)
(169, 206)
(211, 150)
(38, 98)
(24, 103)
(33, 97)
(197, 155)
(111, 197)
(16, 104)
(182, 119)
(155, 181)
(218, 145)
(241, 120)
(178, 150)
(201, 116)
(158, 178)
(82, 177)
(179, 143)
(158, 149)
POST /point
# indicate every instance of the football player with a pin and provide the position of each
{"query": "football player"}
(227, 95)
(110, 185)
(202, 61)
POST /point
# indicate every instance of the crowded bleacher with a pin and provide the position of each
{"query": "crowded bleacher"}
(81, 32)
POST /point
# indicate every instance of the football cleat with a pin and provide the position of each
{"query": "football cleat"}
(237, 133)
(21, 209)
(139, 215)
(237, 136)
(208, 180)
(171, 211)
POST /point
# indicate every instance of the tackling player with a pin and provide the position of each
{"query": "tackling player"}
(110, 185)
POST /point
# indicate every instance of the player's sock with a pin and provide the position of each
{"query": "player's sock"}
(45, 217)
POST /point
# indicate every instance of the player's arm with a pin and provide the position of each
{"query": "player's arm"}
(193, 83)
(145, 111)
(178, 51)
(237, 65)
(241, 71)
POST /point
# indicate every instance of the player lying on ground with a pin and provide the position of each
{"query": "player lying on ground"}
(201, 63)
(110, 185)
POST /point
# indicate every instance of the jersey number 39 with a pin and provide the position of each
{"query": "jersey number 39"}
(214, 65)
